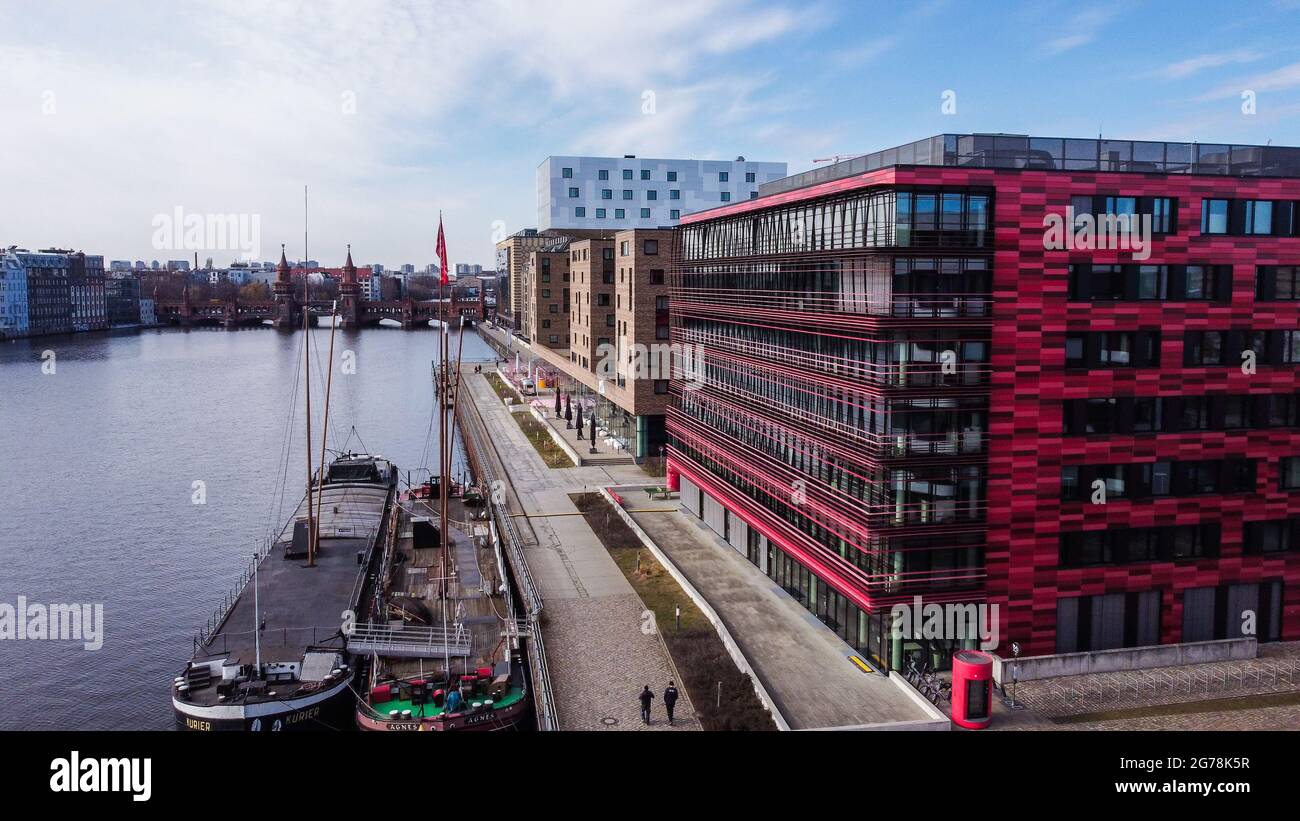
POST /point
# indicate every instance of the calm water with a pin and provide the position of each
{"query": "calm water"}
(97, 468)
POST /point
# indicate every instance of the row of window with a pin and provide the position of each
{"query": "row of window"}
(670, 176)
(1275, 218)
(878, 218)
(1163, 211)
(1126, 545)
(1231, 347)
(1091, 281)
(1172, 414)
(1098, 282)
(1112, 620)
(1145, 480)
(1141, 349)
(620, 213)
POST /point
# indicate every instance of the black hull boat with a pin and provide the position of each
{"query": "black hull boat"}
(277, 658)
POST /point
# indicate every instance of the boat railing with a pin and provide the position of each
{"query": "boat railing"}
(405, 641)
(270, 636)
(219, 615)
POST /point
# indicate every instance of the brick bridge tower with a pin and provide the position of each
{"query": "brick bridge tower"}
(350, 294)
(286, 304)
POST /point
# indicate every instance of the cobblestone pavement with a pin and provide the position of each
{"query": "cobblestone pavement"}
(614, 660)
(591, 617)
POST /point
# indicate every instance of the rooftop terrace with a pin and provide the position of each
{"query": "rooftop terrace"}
(1061, 154)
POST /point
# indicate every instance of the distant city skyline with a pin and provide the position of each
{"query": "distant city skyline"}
(393, 113)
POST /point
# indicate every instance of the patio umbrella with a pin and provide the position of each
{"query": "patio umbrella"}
(593, 431)
(568, 410)
(580, 421)
(557, 404)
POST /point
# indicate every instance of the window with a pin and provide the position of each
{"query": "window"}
(1139, 544)
(580, 211)
(602, 300)
(1202, 348)
(726, 196)
(603, 174)
(661, 303)
(753, 195)
(675, 214)
(624, 249)
(656, 276)
(619, 213)
(566, 173)
(723, 176)
(672, 176)
(627, 173)
(1277, 282)
(645, 174)
(661, 386)
(652, 194)
(650, 247)
(674, 194)
(1107, 621)
(1277, 536)
(749, 176)
(1143, 480)
(607, 193)
(627, 193)
(645, 213)
(1214, 216)
(600, 213)
(1291, 473)
(554, 338)
(1112, 349)
(573, 193)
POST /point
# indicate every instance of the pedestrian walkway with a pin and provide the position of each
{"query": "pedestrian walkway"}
(803, 665)
(592, 618)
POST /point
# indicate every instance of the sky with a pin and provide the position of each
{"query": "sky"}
(115, 115)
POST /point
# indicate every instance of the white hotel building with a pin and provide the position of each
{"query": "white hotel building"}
(612, 193)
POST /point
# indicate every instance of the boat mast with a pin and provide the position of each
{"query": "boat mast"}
(306, 360)
(257, 622)
(325, 423)
(444, 456)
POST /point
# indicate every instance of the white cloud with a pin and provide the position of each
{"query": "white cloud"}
(1277, 80)
(1079, 30)
(1190, 66)
(232, 107)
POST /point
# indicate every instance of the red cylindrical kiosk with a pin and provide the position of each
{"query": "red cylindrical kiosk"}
(972, 689)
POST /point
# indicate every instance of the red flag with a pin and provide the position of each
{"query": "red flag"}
(442, 251)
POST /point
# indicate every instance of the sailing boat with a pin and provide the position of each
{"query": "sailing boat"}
(276, 656)
(447, 656)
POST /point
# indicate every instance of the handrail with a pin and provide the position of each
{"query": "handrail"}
(476, 451)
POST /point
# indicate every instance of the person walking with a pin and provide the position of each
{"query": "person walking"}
(646, 697)
(670, 700)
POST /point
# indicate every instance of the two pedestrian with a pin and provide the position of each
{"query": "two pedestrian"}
(647, 698)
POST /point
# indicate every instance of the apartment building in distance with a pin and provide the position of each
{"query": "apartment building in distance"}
(14, 315)
(546, 290)
(928, 373)
(617, 359)
(614, 193)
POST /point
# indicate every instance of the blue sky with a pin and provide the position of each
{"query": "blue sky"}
(390, 112)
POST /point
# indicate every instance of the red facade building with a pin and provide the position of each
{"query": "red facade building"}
(923, 376)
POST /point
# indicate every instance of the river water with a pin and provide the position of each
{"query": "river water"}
(99, 459)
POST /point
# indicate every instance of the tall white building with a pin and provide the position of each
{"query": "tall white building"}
(630, 192)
